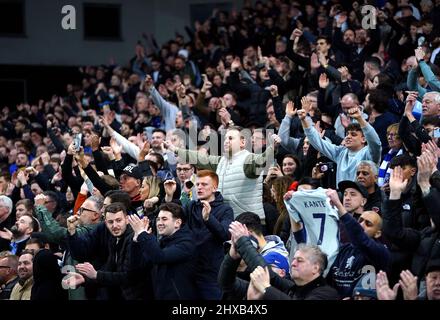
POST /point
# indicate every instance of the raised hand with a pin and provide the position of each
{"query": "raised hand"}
(72, 223)
(397, 184)
(384, 292)
(148, 82)
(425, 168)
(206, 84)
(116, 147)
(432, 147)
(236, 64)
(225, 116)
(260, 279)
(334, 198)
(306, 104)
(206, 211)
(323, 81)
(72, 281)
(302, 114)
(109, 152)
(314, 62)
(276, 139)
(410, 102)
(144, 151)
(94, 141)
(296, 34)
(419, 53)
(40, 199)
(355, 113)
(408, 283)
(290, 109)
(180, 91)
(170, 187)
(273, 90)
(344, 73)
(87, 269)
(138, 225)
(238, 230)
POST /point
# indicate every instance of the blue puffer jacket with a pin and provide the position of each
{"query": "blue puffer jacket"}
(209, 236)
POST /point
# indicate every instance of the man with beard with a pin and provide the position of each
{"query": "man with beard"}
(20, 233)
(119, 280)
(22, 289)
(8, 274)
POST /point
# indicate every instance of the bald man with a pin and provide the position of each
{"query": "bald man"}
(363, 253)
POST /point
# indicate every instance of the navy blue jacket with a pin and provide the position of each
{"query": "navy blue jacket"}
(173, 260)
(209, 236)
(353, 256)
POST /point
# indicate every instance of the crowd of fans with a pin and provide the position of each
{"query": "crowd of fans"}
(279, 151)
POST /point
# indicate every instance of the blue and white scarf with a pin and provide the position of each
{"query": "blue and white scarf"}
(385, 170)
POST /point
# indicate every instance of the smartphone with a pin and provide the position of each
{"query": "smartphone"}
(78, 140)
(189, 184)
(437, 133)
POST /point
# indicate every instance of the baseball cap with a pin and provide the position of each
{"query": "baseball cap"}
(355, 185)
(277, 259)
(133, 170)
(361, 290)
(183, 53)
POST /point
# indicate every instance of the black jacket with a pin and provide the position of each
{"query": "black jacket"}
(47, 277)
(252, 97)
(281, 288)
(314, 290)
(209, 236)
(173, 260)
(374, 200)
(120, 280)
(420, 243)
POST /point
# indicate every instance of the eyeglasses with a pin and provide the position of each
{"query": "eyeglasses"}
(81, 210)
(5, 267)
(393, 135)
(183, 169)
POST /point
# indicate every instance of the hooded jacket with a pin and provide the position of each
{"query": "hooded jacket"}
(210, 235)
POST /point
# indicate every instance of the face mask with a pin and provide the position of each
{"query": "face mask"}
(112, 95)
(85, 102)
